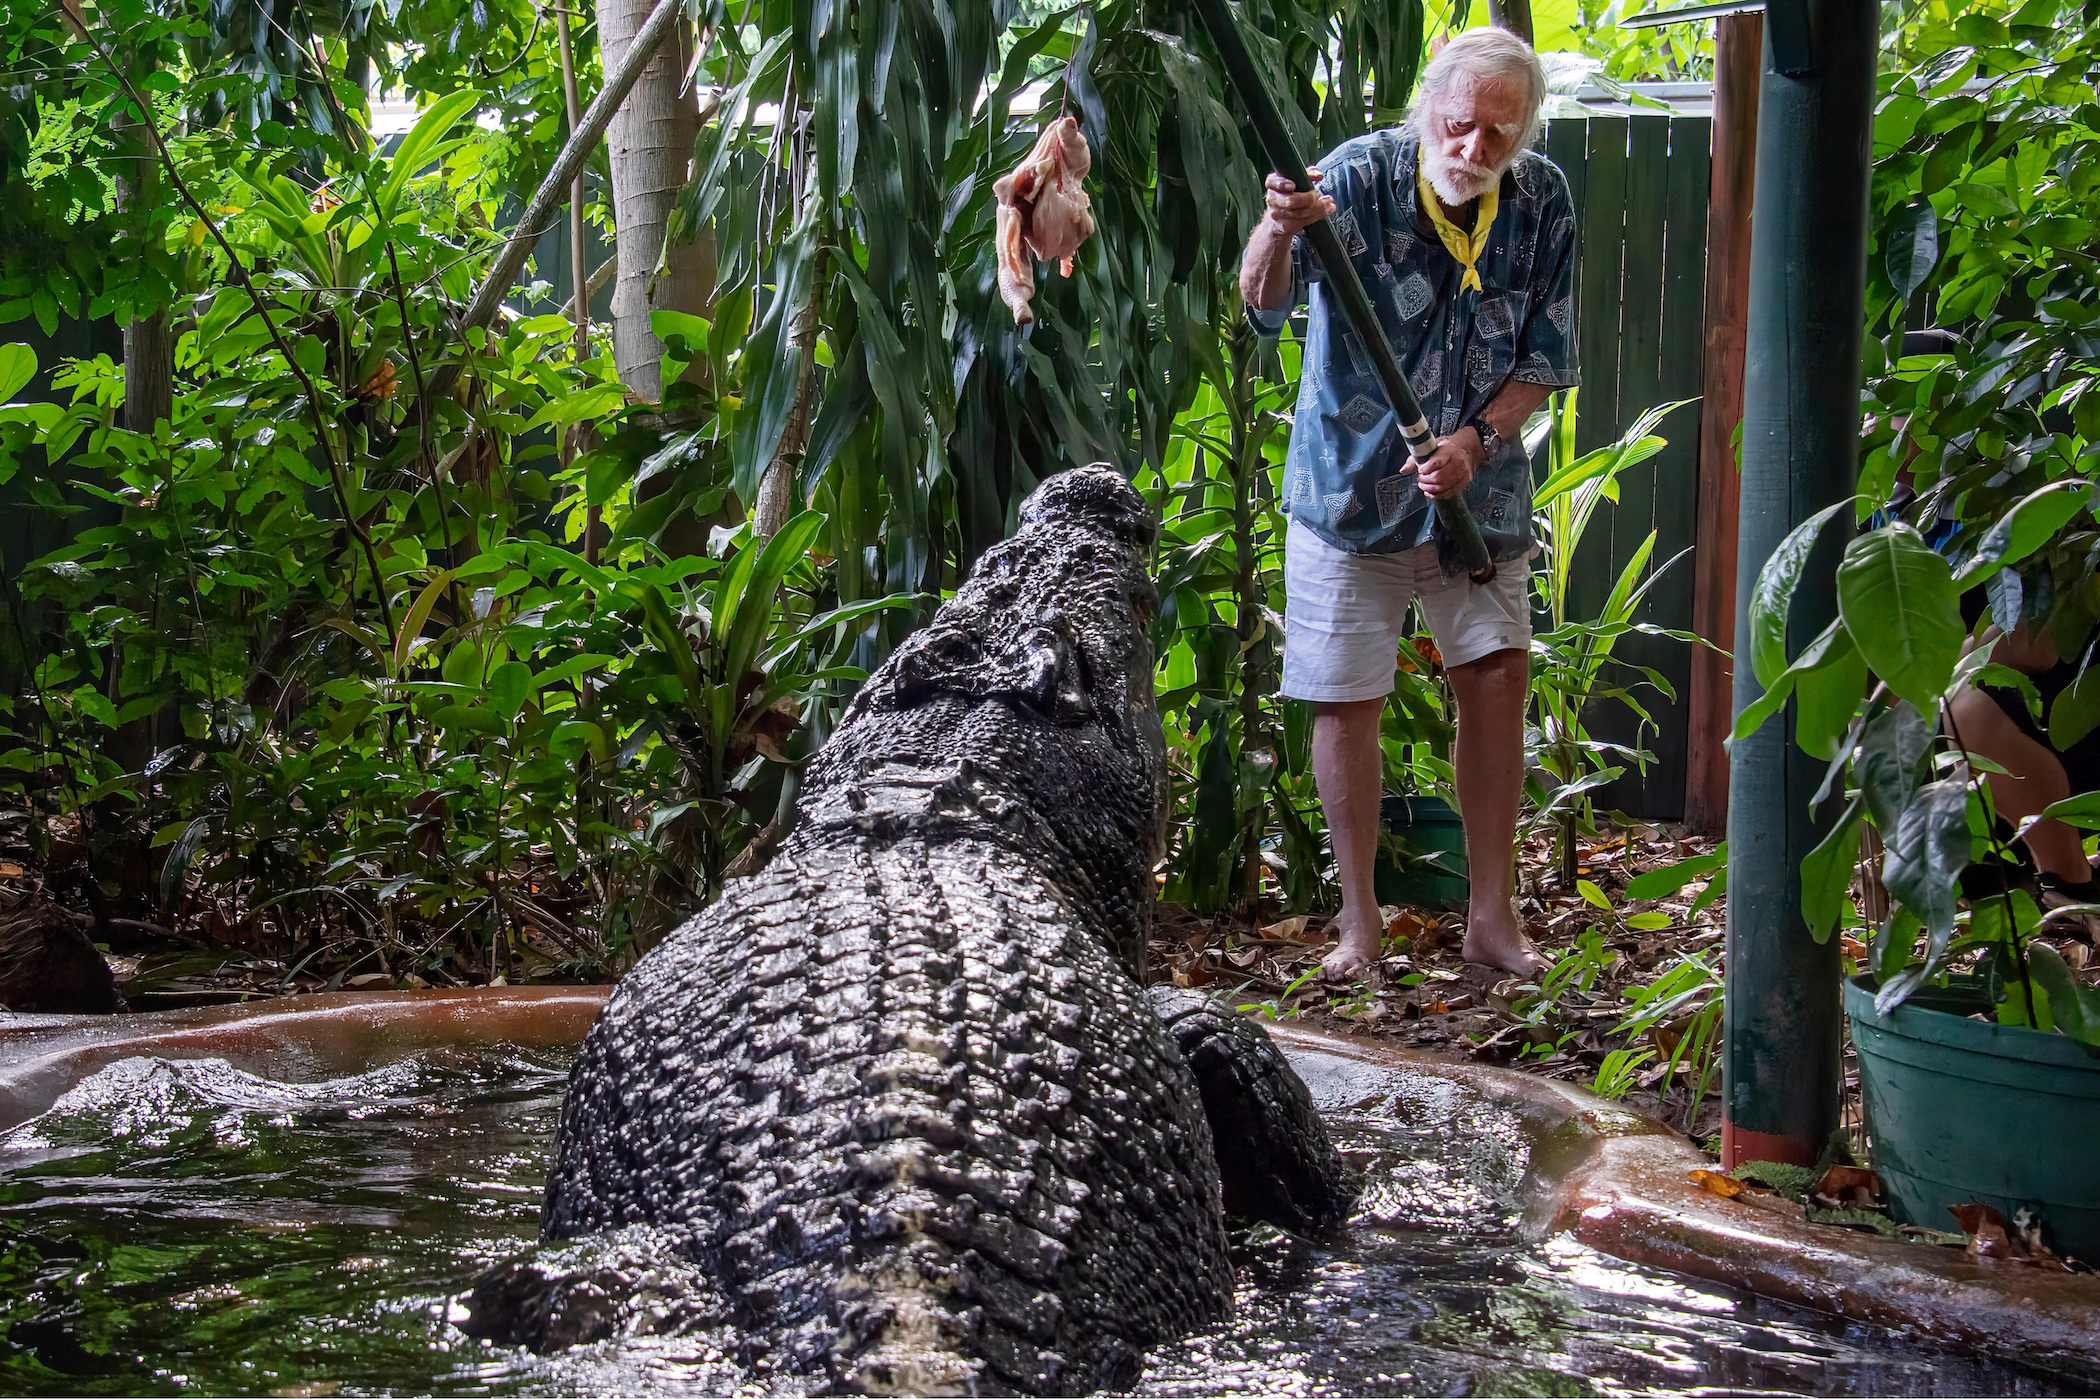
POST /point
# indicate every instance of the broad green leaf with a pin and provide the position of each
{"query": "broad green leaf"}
(2075, 1008)
(508, 687)
(418, 614)
(423, 144)
(1773, 597)
(1899, 601)
(17, 368)
(1591, 894)
(704, 193)
(573, 739)
(1913, 247)
(1826, 875)
(1927, 852)
(1891, 745)
(851, 612)
(1635, 445)
(1648, 922)
(2076, 711)
(694, 330)
(2007, 594)
(1782, 687)
(662, 626)
(175, 869)
(1827, 697)
(2083, 810)
(2022, 530)
(772, 364)
(744, 614)
(846, 398)
(604, 475)
(462, 664)
(1659, 883)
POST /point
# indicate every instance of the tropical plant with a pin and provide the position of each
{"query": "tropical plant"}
(1985, 195)
(427, 647)
(1569, 659)
(1680, 1012)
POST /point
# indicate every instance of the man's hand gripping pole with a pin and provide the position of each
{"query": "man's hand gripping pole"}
(1452, 514)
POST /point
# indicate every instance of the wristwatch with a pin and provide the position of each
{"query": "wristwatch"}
(1490, 440)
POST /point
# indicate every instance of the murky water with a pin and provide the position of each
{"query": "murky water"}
(175, 1227)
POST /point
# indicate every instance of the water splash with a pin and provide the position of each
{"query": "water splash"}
(173, 1226)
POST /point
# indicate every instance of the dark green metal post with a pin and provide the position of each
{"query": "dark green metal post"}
(1782, 1058)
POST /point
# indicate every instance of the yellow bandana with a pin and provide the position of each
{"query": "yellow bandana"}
(1466, 247)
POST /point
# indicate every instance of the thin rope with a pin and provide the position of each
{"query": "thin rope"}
(1064, 100)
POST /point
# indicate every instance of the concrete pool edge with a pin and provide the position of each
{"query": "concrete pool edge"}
(41, 1056)
(1619, 1183)
(1600, 1174)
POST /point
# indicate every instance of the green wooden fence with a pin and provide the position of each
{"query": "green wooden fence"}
(1640, 188)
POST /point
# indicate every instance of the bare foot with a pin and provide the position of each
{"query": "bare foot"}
(1494, 938)
(1354, 955)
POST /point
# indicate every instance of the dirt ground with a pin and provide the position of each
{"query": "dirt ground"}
(1425, 996)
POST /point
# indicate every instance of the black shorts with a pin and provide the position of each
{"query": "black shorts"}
(2082, 759)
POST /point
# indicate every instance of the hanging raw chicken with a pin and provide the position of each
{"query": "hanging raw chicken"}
(1042, 212)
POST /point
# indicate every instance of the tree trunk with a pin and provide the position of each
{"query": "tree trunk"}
(1513, 15)
(651, 147)
(149, 351)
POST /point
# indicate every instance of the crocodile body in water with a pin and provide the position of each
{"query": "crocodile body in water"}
(896, 1112)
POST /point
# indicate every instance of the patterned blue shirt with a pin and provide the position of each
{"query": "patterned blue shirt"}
(1457, 348)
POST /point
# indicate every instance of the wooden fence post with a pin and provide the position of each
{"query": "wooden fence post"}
(1738, 42)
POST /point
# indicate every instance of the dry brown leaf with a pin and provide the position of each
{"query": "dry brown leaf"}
(1847, 1187)
(1991, 1242)
(1713, 1182)
(1291, 929)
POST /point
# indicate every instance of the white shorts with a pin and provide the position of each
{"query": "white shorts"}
(1343, 614)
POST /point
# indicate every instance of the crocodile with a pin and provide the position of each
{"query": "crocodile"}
(897, 1112)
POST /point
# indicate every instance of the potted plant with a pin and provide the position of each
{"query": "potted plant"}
(1978, 1044)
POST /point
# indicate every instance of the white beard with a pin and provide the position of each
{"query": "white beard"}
(1458, 181)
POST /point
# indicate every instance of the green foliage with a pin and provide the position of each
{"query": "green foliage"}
(347, 652)
(1570, 660)
(1984, 201)
(437, 676)
(1794, 1182)
(1661, 53)
(1620, 1071)
(1685, 1002)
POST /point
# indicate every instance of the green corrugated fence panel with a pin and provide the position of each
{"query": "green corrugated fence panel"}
(1598, 307)
(1640, 190)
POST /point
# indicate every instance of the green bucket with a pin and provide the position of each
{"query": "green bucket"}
(1423, 864)
(1963, 1110)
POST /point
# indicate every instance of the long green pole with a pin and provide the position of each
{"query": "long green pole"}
(1453, 515)
(1782, 1060)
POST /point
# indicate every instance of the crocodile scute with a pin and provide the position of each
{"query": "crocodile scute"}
(898, 1102)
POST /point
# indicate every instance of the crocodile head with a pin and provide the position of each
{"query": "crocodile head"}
(1027, 703)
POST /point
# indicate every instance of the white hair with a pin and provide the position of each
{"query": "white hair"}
(1485, 53)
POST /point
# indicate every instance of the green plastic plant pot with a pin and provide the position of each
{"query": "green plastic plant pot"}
(1432, 873)
(1963, 1110)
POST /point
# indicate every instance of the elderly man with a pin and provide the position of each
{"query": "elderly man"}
(1465, 239)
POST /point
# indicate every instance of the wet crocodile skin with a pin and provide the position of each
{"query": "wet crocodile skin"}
(900, 1098)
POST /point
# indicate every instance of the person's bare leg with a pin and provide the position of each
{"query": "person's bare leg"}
(1350, 772)
(1488, 763)
(2032, 780)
